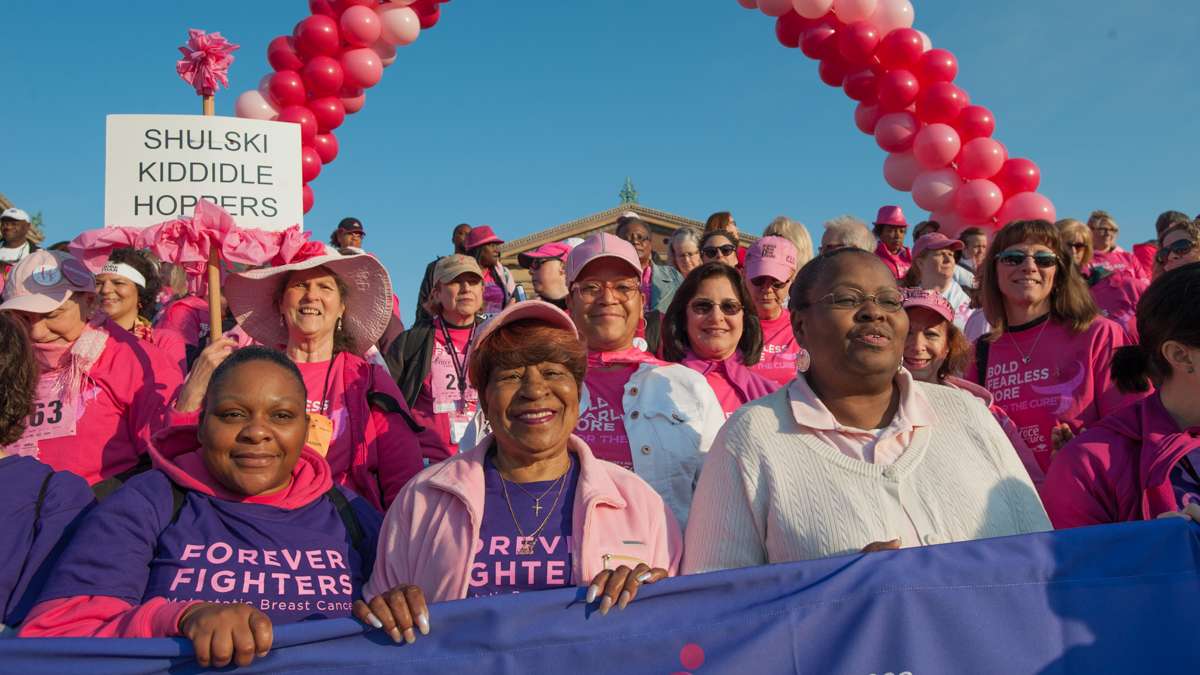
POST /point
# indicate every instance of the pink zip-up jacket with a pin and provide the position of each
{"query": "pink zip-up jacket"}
(429, 532)
(898, 262)
(1119, 469)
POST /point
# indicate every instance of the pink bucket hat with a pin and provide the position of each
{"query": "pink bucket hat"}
(529, 309)
(892, 216)
(934, 241)
(597, 246)
(368, 305)
(482, 235)
(927, 299)
(44, 280)
(558, 249)
(773, 257)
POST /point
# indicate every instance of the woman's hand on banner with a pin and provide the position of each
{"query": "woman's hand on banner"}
(396, 611)
(620, 586)
(223, 633)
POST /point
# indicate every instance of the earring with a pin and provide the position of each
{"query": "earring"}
(339, 325)
(803, 360)
(1191, 369)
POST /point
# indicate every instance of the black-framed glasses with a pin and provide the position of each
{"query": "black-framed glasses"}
(1043, 259)
(1078, 246)
(536, 263)
(715, 251)
(1179, 247)
(705, 307)
(759, 282)
(889, 301)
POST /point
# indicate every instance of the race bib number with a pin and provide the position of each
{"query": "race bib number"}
(444, 382)
(53, 417)
(320, 433)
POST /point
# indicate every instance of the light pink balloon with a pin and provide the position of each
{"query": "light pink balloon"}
(1026, 206)
(812, 9)
(949, 223)
(748, 4)
(362, 67)
(775, 7)
(892, 14)
(354, 100)
(849, 11)
(895, 131)
(981, 158)
(252, 105)
(925, 40)
(900, 169)
(400, 25)
(936, 146)
(978, 200)
(360, 26)
(386, 52)
(934, 190)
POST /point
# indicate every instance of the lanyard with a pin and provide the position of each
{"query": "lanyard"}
(325, 404)
(460, 367)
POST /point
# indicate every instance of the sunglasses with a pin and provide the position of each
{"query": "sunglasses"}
(714, 251)
(759, 282)
(536, 263)
(1043, 259)
(1179, 247)
(705, 307)
(1078, 245)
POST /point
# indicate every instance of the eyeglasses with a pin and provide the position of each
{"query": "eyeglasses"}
(1105, 230)
(536, 263)
(705, 307)
(1043, 259)
(1179, 247)
(623, 290)
(888, 301)
(714, 251)
(637, 239)
(689, 255)
(759, 282)
(1078, 245)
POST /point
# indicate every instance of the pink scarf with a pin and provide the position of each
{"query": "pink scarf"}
(746, 382)
(72, 362)
(632, 355)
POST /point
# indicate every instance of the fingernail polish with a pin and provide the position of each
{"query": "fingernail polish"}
(374, 620)
(643, 577)
(423, 623)
(605, 605)
(409, 636)
(395, 633)
(623, 601)
(592, 593)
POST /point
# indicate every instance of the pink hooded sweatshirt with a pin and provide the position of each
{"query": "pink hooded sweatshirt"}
(429, 533)
(145, 549)
(1117, 296)
(1120, 468)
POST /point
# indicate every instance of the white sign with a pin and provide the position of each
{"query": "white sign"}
(157, 167)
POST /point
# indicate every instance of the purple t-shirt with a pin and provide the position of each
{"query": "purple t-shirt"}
(499, 567)
(29, 541)
(1185, 478)
(293, 565)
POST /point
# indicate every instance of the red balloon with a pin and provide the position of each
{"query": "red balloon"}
(307, 198)
(819, 41)
(977, 200)
(941, 102)
(860, 86)
(896, 131)
(789, 28)
(428, 12)
(353, 99)
(329, 111)
(857, 42)
(310, 163)
(975, 121)
(281, 53)
(866, 117)
(897, 90)
(936, 65)
(1026, 206)
(323, 75)
(322, 7)
(286, 88)
(317, 34)
(343, 5)
(301, 115)
(981, 158)
(1018, 175)
(900, 48)
(326, 146)
(832, 72)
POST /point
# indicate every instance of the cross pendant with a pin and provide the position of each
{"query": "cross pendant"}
(537, 508)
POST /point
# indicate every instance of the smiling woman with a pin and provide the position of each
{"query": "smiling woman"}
(527, 496)
(854, 455)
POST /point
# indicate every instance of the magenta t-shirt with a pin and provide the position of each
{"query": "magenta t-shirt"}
(440, 405)
(493, 294)
(327, 396)
(780, 351)
(500, 564)
(602, 425)
(1114, 261)
(1043, 373)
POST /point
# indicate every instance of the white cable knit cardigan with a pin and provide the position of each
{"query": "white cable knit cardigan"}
(771, 492)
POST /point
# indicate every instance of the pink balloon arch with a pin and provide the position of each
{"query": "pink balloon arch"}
(939, 144)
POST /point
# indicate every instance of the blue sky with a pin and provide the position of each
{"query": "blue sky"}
(526, 115)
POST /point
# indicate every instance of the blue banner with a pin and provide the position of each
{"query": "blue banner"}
(1113, 599)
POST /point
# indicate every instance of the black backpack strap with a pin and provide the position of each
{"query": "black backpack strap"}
(178, 496)
(386, 403)
(982, 347)
(346, 513)
(104, 489)
(41, 498)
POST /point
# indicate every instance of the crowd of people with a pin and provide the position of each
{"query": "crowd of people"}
(724, 406)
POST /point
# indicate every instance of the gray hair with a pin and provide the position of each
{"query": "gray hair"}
(795, 232)
(851, 230)
(683, 234)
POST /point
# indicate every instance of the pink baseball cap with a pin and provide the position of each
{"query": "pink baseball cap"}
(482, 235)
(557, 249)
(597, 246)
(528, 309)
(773, 257)
(927, 299)
(934, 241)
(891, 215)
(44, 280)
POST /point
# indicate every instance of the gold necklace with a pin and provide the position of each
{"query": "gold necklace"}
(526, 547)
